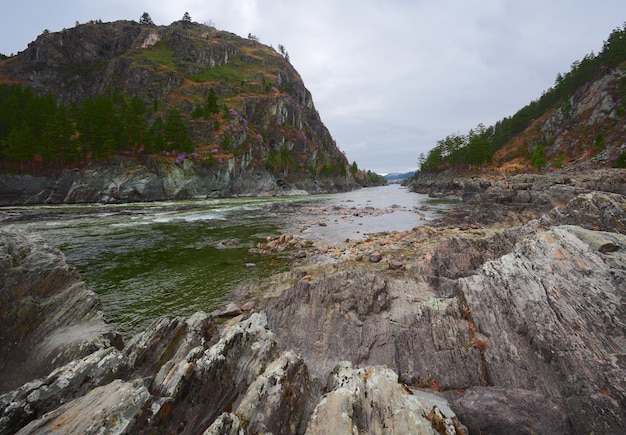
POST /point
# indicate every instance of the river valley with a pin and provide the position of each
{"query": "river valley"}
(146, 260)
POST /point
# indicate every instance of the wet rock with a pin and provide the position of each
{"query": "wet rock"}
(227, 243)
(395, 264)
(248, 306)
(231, 310)
(496, 410)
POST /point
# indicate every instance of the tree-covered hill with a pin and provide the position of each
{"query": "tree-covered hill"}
(181, 92)
(580, 119)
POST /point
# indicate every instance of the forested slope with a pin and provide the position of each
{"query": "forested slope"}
(582, 118)
(186, 92)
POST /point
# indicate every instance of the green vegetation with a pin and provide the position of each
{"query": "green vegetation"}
(36, 132)
(228, 72)
(538, 157)
(279, 160)
(210, 108)
(39, 136)
(160, 53)
(479, 145)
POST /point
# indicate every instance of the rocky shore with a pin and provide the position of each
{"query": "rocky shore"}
(152, 179)
(508, 315)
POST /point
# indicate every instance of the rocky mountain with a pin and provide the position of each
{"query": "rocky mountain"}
(399, 176)
(584, 134)
(587, 130)
(249, 124)
(580, 123)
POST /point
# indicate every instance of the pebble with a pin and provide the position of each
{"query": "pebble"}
(376, 256)
(231, 310)
(395, 264)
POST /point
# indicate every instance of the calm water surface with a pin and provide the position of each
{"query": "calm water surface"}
(152, 259)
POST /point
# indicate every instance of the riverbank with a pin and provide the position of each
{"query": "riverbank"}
(145, 260)
(506, 315)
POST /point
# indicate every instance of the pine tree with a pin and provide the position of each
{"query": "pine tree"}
(145, 20)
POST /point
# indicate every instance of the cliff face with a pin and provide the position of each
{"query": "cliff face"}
(261, 134)
(584, 131)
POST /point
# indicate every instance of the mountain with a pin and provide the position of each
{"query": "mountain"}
(579, 122)
(152, 112)
(399, 176)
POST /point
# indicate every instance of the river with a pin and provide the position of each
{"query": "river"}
(165, 258)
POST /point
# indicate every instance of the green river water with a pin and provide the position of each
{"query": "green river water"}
(151, 259)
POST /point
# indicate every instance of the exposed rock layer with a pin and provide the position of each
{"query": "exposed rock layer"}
(47, 315)
(524, 334)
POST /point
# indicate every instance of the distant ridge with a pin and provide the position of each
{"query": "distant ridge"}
(398, 176)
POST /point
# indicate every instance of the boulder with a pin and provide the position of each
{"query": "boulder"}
(371, 400)
(501, 411)
(117, 407)
(35, 398)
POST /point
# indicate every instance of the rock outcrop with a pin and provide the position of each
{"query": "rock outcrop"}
(180, 375)
(47, 315)
(148, 179)
(264, 135)
(524, 334)
(514, 200)
(537, 307)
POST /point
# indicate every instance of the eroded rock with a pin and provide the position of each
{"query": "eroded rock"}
(371, 400)
(48, 317)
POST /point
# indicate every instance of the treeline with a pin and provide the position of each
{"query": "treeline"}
(36, 132)
(480, 144)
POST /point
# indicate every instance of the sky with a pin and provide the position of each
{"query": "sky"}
(388, 78)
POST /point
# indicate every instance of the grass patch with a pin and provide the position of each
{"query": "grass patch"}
(160, 54)
(227, 72)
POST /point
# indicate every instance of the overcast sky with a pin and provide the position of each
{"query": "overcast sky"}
(389, 78)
